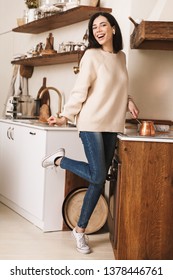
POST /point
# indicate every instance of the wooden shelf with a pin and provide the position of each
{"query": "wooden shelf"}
(152, 35)
(58, 20)
(59, 58)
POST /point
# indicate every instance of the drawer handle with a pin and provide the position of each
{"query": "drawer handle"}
(32, 133)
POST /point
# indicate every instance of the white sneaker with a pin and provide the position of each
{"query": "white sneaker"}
(49, 161)
(81, 242)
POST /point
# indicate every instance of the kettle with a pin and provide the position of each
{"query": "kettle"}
(147, 128)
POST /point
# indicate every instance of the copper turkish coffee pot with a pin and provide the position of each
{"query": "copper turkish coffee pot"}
(146, 128)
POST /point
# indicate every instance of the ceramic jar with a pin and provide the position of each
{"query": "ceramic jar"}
(89, 2)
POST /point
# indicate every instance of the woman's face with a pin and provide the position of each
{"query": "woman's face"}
(103, 32)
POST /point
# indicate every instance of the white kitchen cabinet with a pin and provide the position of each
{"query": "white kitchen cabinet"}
(22, 174)
(32, 191)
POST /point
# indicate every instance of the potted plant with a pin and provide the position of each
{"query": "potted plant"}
(32, 4)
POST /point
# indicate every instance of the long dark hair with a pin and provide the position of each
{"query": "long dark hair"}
(117, 38)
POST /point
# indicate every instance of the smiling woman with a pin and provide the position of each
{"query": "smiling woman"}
(98, 103)
(102, 31)
(104, 26)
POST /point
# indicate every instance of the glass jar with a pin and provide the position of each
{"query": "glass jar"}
(72, 4)
(49, 7)
(47, 2)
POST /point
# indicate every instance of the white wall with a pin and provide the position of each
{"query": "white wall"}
(150, 71)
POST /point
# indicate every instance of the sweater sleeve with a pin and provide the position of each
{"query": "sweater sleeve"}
(79, 93)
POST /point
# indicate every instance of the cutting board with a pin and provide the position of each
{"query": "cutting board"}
(43, 102)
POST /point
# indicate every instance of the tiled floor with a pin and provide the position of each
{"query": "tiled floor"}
(21, 240)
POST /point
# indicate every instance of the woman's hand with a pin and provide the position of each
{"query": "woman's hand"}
(133, 108)
(59, 121)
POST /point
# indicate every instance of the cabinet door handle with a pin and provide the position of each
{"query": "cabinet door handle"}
(8, 132)
(32, 133)
(12, 133)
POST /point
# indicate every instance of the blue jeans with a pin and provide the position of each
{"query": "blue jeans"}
(99, 149)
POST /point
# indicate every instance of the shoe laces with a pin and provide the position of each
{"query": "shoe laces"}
(82, 240)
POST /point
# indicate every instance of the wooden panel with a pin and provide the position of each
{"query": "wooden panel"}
(58, 20)
(73, 181)
(145, 229)
(152, 35)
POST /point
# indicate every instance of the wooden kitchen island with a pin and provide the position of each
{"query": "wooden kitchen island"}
(141, 199)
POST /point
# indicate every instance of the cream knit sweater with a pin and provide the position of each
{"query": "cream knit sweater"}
(98, 100)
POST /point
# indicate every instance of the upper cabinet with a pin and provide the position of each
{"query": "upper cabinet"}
(62, 19)
(152, 35)
(58, 20)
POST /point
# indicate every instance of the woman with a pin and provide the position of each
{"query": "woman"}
(98, 102)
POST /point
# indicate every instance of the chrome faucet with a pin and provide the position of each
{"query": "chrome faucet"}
(60, 103)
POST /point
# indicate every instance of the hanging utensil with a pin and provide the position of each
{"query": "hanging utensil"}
(85, 37)
(76, 68)
(138, 121)
(26, 104)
